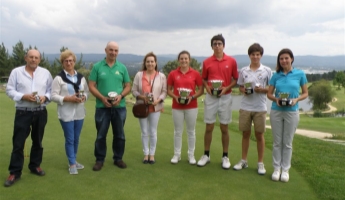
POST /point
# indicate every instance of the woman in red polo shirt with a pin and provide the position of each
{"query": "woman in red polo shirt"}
(182, 85)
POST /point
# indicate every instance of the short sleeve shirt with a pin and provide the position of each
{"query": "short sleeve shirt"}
(224, 69)
(288, 83)
(109, 79)
(255, 102)
(189, 80)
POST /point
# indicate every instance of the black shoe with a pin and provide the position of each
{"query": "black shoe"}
(120, 164)
(38, 171)
(145, 161)
(152, 162)
(11, 180)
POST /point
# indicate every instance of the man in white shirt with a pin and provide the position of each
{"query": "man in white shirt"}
(253, 80)
(29, 86)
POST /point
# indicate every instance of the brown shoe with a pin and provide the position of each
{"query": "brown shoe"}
(98, 166)
(120, 164)
(11, 180)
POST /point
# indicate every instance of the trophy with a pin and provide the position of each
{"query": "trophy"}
(216, 84)
(284, 99)
(184, 94)
(248, 89)
(38, 100)
(150, 98)
(112, 96)
(80, 94)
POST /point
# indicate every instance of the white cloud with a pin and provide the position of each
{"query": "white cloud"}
(167, 27)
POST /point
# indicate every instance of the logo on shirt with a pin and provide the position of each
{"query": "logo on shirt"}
(226, 66)
(117, 73)
(103, 74)
(178, 77)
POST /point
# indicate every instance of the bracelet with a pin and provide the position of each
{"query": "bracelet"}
(192, 97)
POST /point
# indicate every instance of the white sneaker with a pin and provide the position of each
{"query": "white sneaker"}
(191, 159)
(276, 175)
(241, 165)
(203, 160)
(261, 169)
(285, 176)
(226, 162)
(79, 166)
(175, 159)
(73, 170)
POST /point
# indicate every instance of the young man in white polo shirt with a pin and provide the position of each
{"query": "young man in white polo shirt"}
(253, 80)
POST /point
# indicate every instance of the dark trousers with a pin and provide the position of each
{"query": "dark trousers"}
(24, 123)
(103, 118)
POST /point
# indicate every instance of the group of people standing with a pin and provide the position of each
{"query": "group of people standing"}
(32, 87)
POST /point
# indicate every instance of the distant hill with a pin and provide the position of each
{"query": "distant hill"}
(310, 63)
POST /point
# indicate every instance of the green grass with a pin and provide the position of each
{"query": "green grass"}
(163, 180)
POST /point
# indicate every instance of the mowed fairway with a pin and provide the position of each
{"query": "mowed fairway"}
(159, 181)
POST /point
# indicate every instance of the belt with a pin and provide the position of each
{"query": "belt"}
(33, 109)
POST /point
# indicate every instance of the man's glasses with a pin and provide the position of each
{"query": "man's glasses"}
(217, 44)
(68, 61)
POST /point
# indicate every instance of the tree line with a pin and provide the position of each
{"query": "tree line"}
(8, 62)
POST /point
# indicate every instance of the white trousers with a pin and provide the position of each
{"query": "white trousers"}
(284, 125)
(148, 127)
(179, 116)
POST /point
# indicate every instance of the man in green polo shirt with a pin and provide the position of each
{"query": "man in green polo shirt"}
(109, 75)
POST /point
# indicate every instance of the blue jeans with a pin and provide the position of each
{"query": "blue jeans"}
(72, 131)
(24, 123)
(103, 118)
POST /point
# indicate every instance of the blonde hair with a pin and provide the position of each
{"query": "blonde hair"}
(67, 53)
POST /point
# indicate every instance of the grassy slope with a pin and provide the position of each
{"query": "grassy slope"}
(139, 181)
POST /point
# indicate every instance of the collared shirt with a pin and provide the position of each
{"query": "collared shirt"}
(189, 80)
(255, 102)
(288, 83)
(109, 79)
(224, 69)
(20, 82)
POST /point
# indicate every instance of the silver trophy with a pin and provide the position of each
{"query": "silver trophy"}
(284, 99)
(248, 89)
(112, 96)
(38, 100)
(150, 98)
(216, 84)
(80, 94)
(184, 94)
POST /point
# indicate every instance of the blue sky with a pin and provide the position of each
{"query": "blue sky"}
(308, 27)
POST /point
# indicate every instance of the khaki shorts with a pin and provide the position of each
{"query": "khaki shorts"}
(247, 117)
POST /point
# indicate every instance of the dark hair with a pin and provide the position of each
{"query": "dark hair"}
(256, 47)
(183, 52)
(151, 54)
(283, 51)
(218, 37)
